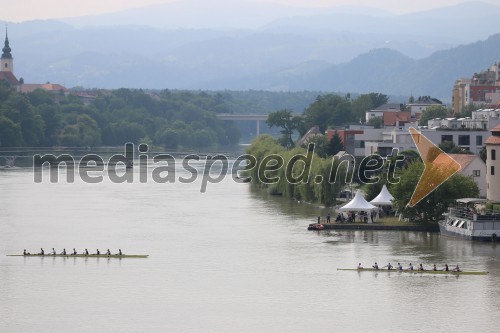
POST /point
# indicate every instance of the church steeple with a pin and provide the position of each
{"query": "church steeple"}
(6, 61)
(6, 48)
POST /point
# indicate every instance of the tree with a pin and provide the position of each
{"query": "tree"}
(376, 122)
(169, 138)
(321, 144)
(431, 208)
(288, 124)
(450, 148)
(10, 133)
(467, 110)
(335, 145)
(322, 112)
(482, 154)
(431, 112)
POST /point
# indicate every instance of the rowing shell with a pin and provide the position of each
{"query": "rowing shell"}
(412, 271)
(81, 255)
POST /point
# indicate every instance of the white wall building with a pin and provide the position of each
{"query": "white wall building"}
(493, 165)
(379, 112)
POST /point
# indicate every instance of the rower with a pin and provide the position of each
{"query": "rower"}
(120, 252)
(389, 266)
(53, 252)
(375, 266)
(446, 267)
(434, 268)
(456, 269)
(74, 252)
(400, 267)
(86, 252)
(108, 252)
(359, 266)
(97, 252)
(25, 253)
(410, 267)
(42, 252)
(63, 252)
(421, 268)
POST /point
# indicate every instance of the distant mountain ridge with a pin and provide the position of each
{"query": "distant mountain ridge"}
(388, 71)
(329, 50)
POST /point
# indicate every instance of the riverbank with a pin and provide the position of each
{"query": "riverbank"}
(386, 223)
(378, 226)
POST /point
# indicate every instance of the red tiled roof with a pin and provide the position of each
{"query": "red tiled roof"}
(493, 140)
(463, 159)
(496, 129)
(391, 118)
(30, 87)
(9, 77)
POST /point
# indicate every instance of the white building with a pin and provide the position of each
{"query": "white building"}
(493, 165)
(416, 108)
(379, 112)
(472, 140)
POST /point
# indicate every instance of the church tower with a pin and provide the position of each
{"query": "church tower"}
(6, 61)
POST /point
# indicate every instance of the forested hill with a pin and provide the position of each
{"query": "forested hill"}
(170, 119)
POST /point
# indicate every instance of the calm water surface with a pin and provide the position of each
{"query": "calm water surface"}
(229, 260)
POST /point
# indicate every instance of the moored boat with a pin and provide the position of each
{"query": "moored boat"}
(315, 226)
(469, 219)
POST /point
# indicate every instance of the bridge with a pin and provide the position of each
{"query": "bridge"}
(251, 117)
(248, 117)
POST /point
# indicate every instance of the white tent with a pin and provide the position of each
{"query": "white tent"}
(383, 198)
(359, 203)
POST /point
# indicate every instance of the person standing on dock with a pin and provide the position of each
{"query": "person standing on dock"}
(328, 218)
(319, 219)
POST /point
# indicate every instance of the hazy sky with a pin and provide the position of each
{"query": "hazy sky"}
(22, 10)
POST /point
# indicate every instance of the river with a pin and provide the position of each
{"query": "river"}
(231, 259)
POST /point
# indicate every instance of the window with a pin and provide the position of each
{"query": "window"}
(476, 173)
(464, 140)
(479, 140)
(493, 155)
(492, 170)
(446, 138)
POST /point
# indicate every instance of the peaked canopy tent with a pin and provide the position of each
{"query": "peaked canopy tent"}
(383, 198)
(359, 204)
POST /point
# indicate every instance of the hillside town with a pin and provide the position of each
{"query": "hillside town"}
(475, 137)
